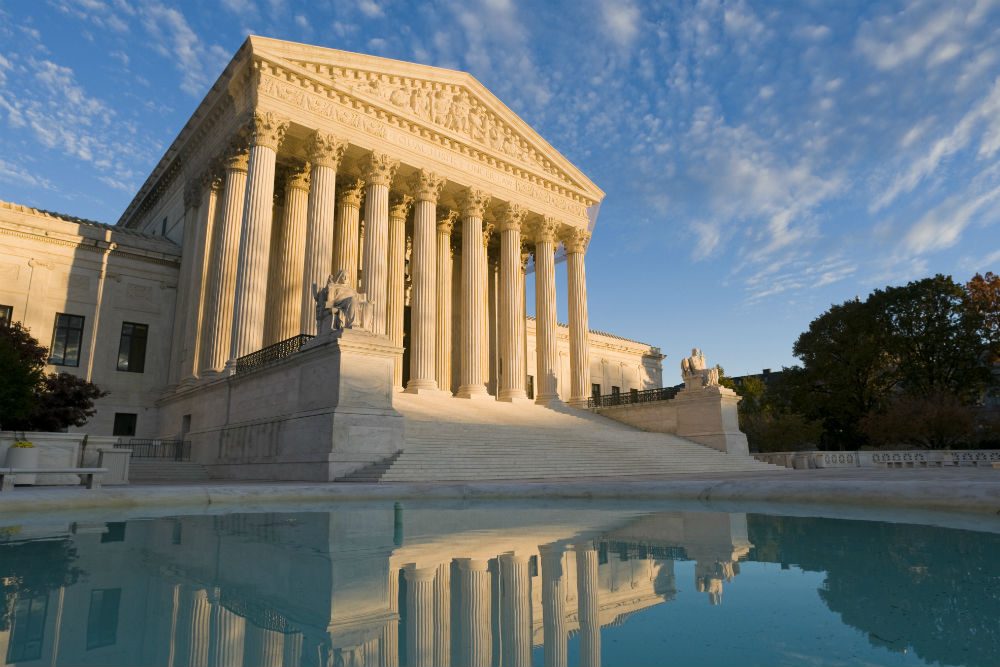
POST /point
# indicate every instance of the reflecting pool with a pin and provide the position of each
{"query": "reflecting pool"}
(386, 584)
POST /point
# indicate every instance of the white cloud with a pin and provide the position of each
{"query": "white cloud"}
(621, 18)
(985, 113)
(370, 8)
(942, 226)
(174, 38)
(12, 173)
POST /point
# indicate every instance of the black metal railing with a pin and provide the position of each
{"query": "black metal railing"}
(171, 450)
(631, 397)
(270, 354)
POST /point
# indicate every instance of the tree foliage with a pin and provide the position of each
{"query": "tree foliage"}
(30, 400)
(868, 364)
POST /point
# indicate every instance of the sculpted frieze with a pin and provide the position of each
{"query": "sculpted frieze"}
(327, 107)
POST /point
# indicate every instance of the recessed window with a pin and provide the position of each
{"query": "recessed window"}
(616, 391)
(125, 424)
(102, 621)
(6, 315)
(67, 339)
(163, 227)
(115, 532)
(132, 348)
(27, 629)
(531, 386)
(595, 389)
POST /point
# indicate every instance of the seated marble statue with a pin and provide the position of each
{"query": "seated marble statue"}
(339, 306)
(694, 372)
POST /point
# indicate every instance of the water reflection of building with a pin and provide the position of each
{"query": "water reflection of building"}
(369, 586)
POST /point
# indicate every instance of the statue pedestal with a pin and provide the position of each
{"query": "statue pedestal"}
(317, 415)
(708, 416)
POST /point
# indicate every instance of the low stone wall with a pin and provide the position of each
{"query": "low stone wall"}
(57, 450)
(319, 414)
(705, 415)
(918, 458)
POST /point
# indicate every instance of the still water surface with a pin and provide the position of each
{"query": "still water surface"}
(497, 585)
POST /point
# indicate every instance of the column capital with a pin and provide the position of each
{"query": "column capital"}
(350, 191)
(212, 178)
(326, 150)
(413, 573)
(399, 205)
(298, 176)
(192, 193)
(267, 129)
(378, 168)
(426, 186)
(511, 217)
(237, 159)
(546, 230)
(525, 256)
(473, 203)
(446, 218)
(487, 233)
(575, 239)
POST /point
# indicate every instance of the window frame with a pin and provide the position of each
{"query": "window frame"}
(64, 332)
(135, 424)
(97, 633)
(131, 349)
(6, 315)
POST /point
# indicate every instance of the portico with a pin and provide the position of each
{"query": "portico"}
(430, 194)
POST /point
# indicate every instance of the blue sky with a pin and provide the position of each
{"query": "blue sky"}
(761, 160)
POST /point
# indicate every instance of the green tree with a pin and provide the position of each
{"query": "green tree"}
(22, 370)
(30, 400)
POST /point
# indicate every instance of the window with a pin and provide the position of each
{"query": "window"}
(102, 621)
(115, 532)
(27, 629)
(124, 424)
(616, 391)
(531, 386)
(595, 390)
(634, 393)
(66, 340)
(6, 314)
(163, 227)
(132, 348)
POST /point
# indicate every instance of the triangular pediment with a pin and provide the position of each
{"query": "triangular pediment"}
(449, 102)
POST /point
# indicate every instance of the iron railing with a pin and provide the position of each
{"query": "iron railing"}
(270, 354)
(633, 396)
(172, 450)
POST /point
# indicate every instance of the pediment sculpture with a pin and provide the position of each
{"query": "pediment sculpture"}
(340, 306)
(695, 374)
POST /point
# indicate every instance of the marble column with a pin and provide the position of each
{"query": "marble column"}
(268, 130)
(423, 304)
(522, 289)
(475, 613)
(388, 641)
(192, 200)
(222, 271)
(325, 152)
(491, 271)
(399, 207)
(472, 336)
(198, 296)
(286, 300)
(576, 241)
(420, 616)
(588, 606)
(443, 343)
(442, 615)
(263, 648)
(554, 605)
(227, 630)
(511, 312)
(547, 388)
(515, 610)
(378, 172)
(200, 630)
(350, 192)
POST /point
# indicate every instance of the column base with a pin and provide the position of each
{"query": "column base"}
(425, 388)
(514, 396)
(549, 401)
(476, 392)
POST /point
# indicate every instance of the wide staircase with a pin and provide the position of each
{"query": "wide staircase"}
(162, 471)
(460, 440)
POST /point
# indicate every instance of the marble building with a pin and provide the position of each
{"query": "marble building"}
(431, 195)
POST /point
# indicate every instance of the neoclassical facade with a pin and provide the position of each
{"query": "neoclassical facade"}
(415, 181)
(432, 197)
